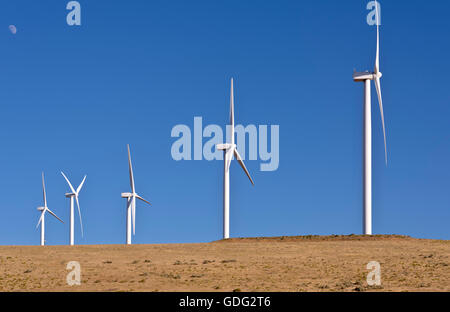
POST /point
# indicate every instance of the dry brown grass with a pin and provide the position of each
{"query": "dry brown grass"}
(308, 263)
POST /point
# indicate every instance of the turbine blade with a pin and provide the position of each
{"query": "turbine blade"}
(232, 103)
(70, 185)
(79, 213)
(133, 214)
(377, 57)
(81, 185)
(241, 162)
(40, 219)
(137, 196)
(232, 112)
(380, 102)
(130, 168)
(229, 157)
(51, 212)
(43, 190)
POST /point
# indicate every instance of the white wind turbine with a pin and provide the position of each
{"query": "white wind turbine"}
(72, 195)
(131, 201)
(43, 211)
(230, 150)
(366, 77)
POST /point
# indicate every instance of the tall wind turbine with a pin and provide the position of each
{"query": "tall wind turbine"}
(131, 201)
(366, 77)
(43, 211)
(230, 150)
(72, 195)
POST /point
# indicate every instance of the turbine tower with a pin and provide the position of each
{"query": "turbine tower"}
(72, 195)
(367, 77)
(43, 210)
(229, 150)
(131, 201)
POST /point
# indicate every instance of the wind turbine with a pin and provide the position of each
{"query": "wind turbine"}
(229, 150)
(131, 201)
(366, 77)
(43, 211)
(73, 195)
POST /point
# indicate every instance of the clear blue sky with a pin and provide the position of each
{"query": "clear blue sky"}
(71, 98)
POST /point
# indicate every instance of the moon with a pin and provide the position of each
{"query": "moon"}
(12, 29)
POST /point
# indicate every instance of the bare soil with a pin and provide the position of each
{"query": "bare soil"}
(293, 264)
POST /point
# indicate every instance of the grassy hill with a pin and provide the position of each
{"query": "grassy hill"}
(304, 263)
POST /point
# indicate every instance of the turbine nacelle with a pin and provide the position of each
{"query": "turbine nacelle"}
(40, 208)
(68, 195)
(126, 195)
(225, 147)
(361, 77)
